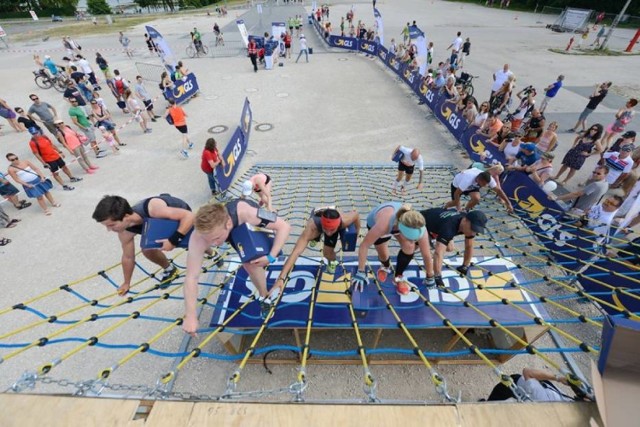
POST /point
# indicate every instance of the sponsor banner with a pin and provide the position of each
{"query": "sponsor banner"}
(394, 64)
(368, 47)
(277, 29)
(163, 47)
(411, 78)
(379, 26)
(331, 301)
(183, 89)
(243, 32)
(626, 278)
(350, 43)
(232, 155)
(383, 54)
(33, 15)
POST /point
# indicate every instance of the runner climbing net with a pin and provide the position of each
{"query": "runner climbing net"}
(99, 341)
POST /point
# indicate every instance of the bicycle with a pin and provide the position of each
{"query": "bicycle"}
(219, 39)
(192, 52)
(44, 81)
(466, 81)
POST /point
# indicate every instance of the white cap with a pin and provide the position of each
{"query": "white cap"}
(247, 188)
(302, 36)
(47, 57)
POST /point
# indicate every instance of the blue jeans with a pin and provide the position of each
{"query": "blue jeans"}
(213, 184)
(306, 53)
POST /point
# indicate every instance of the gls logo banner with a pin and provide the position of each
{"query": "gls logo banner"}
(185, 89)
(331, 298)
(368, 47)
(343, 42)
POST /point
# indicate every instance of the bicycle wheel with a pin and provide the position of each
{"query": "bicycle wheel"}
(205, 50)
(469, 89)
(60, 84)
(43, 82)
(191, 52)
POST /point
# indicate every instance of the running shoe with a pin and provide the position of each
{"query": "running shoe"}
(148, 130)
(101, 154)
(402, 285)
(265, 307)
(68, 188)
(429, 281)
(383, 274)
(168, 276)
(75, 179)
(190, 146)
(184, 154)
(94, 167)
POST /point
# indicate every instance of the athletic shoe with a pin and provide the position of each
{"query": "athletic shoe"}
(154, 120)
(94, 167)
(184, 154)
(402, 285)
(571, 130)
(313, 243)
(90, 171)
(429, 281)
(265, 307)
(331, 267)
(168, 276)
(190, 146)
(148, 130)
(75, 179)
(383, 273)
(101, 154)
(68, 188)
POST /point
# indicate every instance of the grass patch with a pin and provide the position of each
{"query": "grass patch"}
(83, 28)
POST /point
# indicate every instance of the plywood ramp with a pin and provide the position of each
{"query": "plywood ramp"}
(52, 411)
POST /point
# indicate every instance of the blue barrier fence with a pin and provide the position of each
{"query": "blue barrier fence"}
(574, 248)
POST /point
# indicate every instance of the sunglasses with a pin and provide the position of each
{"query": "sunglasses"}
(34, 99)
(13, 159)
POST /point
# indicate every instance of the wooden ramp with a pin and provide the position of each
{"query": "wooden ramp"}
(52, 411)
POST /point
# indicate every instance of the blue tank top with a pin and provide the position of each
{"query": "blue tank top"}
(371, 218)
(142, 209)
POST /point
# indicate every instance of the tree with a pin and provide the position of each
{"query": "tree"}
(98, 7)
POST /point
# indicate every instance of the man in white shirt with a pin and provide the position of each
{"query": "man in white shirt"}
(469, 182)
(620, 164)
(499, 77)
(303, 48)
(456, 44)
(86, 68)
(407, 158)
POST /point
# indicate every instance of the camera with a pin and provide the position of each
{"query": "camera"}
(527, 90)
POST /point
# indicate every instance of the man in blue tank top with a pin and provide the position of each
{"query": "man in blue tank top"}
(115, 213)
(213, 226)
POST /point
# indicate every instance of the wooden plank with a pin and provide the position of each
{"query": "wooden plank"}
(20, 410)
(527, 414)
(285, 415)
(170, 414)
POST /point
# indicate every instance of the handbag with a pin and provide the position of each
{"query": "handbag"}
(82, 138)
(169, 119)
(47, 183)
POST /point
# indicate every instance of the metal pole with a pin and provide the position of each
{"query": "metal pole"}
(613, 25)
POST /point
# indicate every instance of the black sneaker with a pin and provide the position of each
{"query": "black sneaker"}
(168, 277)
(68, 188)
(265, 307)
(75, 179)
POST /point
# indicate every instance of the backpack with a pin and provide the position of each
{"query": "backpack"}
(119, 86)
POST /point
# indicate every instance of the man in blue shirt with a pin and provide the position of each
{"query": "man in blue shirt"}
(50, 66)
(527, 156)
(550, 92)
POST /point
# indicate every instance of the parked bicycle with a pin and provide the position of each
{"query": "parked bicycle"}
(44, 81)
(466, 81)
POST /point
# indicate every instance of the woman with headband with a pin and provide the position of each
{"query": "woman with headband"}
(394, 219)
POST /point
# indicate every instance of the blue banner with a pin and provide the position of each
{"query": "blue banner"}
(235, 149)
(350, 43)
(368, 47)
(183, 89)
(331, 301)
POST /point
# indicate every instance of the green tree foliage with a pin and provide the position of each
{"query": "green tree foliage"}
(609, 6)
(98, 7)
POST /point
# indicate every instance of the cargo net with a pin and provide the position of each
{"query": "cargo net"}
(100, 343)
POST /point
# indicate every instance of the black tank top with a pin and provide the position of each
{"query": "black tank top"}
(142, 209)
(232, 210)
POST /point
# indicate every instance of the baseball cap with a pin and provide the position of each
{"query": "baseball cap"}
(247, 188)
(47, 57)
(629, 134)
(57, 122)
(478, 221)
(528, 147)
(626, 148)
(302, 36)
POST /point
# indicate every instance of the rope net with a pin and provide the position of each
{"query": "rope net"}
(514, 305)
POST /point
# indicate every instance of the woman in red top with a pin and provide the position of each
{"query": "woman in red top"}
(287, 45)
(210, 160)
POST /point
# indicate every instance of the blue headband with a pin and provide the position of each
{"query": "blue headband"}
(411, 233)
